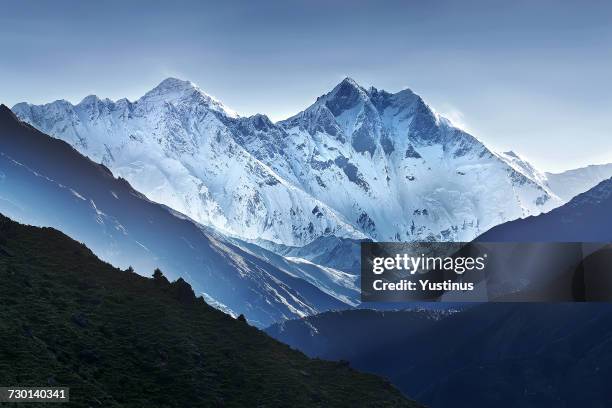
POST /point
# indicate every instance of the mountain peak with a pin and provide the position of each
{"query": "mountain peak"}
(346, 86)
(90, 99)
(350, 81)
(345, 95)
(172, 89)
(174, 83)
(172, 86)
(6, 113)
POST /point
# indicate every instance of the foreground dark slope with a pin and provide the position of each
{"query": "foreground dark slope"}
(44, 181)
(119, 339)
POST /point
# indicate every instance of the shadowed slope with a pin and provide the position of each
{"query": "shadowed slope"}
(119, 339)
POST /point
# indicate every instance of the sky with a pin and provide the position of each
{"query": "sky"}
(530, 76)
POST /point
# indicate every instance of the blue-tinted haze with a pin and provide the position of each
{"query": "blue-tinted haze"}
(533, 76)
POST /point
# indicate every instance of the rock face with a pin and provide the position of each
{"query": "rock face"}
(358, 163)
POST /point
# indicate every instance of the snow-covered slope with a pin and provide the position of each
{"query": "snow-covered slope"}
(339, 284)
(45, 182)
(565, 185)
(573, 182)
(585, 218)
(173, 146)
(358, 163)
(398, 171)
(343, 254)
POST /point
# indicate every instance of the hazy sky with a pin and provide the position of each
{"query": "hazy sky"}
(532, 76)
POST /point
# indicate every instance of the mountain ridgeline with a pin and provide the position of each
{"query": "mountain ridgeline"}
(585, 218)
(358, 163)
(501, 355)
(46, 182)
(118, 339)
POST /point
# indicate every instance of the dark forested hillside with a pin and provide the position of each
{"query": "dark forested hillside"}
(119, 339)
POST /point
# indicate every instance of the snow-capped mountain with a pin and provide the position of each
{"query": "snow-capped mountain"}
(358, 163)
(45, 182)
(401, 172)
(174, 145)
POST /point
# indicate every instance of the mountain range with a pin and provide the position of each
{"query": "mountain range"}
(265, 219)
(46, 182)
(358, 163)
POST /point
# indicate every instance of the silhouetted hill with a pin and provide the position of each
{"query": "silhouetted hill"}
(121, 340)
(493, 355)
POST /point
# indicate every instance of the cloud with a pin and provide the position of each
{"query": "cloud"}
(456, 117)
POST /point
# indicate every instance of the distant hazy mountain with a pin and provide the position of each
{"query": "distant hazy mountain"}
(573, 182)
(358, 163)
(120, 340)
(43, 181)
(494, 355)
(586, 218)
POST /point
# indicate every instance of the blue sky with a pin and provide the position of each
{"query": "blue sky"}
(531, 76)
